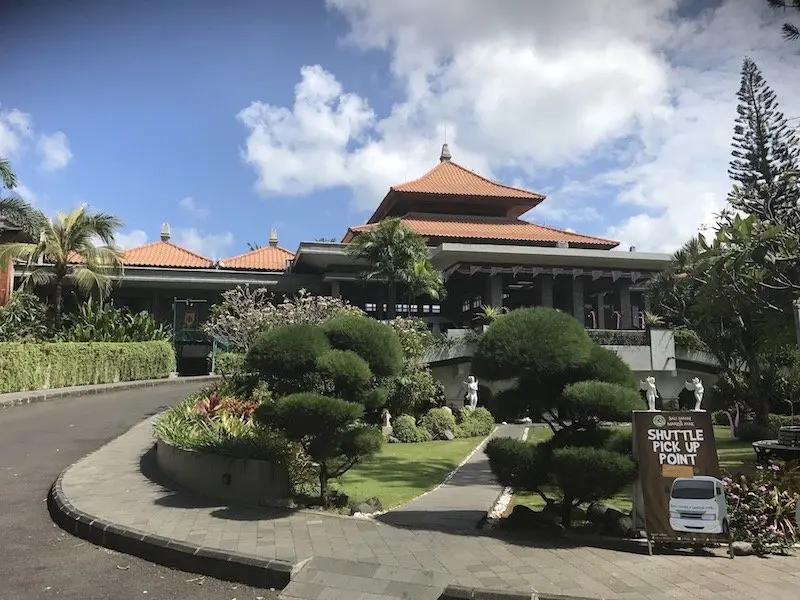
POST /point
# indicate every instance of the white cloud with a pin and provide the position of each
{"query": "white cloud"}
(15, 129)
(194, 209)
(630, 103)
(212, 245)
(54, 150)
(131, 239)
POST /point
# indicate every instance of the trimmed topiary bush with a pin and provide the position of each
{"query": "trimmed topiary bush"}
(477, 422)
(437, 421)
(327, 430)
(344, 374)
(286, 357)
(605, 365)
(588, 474)
(597, 400)
(539, 341)
(375, 342)
(405, 429)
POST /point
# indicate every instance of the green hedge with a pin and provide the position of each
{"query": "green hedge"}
(64, 364)
(229, 363)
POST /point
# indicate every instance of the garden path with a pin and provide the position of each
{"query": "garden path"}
(462, 500)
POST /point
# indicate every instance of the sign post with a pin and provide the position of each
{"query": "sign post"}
(679, 495)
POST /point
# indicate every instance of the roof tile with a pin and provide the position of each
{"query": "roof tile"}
(165, 254)
(268, 258)
(452, 179)
(489, 228)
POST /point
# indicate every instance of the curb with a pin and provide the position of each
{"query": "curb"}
(457, 592)
(35, 396)
(229, 566)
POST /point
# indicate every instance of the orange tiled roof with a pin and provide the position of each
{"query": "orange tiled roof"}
(507, 229)
(268, 258)
(165, 254)
(450, 178)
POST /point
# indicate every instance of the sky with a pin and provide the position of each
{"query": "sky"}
(228, 119)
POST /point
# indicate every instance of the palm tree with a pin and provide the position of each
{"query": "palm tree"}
(14, 211)
(390, 250)
(66, 249)
(8, 178)
(425, 280)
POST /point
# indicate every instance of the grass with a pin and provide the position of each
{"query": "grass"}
(400, 472)
(734, 457)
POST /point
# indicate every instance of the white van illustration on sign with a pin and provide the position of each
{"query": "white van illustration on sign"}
(697, 505)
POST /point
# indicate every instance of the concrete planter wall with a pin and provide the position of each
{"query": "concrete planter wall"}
(235, 480)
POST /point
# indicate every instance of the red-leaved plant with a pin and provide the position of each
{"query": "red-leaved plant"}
(209, 406)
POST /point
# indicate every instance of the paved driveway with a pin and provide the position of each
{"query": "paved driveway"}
(39, 560)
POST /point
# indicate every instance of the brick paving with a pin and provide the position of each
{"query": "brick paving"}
(119, 484)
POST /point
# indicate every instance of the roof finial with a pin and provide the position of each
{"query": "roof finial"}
(273, 237)
(445, 155)
(166, 233)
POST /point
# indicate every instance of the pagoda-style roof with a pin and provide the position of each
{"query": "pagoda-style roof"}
(441, 228)
(268, 258)
(450, 188)
(164, 253)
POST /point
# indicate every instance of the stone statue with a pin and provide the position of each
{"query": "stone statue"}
(648, 384)
(696, 386)
(387, 417)
(472, 391)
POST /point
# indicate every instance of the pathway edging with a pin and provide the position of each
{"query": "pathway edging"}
(32, 396)
(227, 565)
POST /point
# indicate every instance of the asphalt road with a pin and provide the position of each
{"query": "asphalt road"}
(40, 560)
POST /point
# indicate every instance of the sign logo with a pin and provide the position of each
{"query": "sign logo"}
(190, 318)
(659, 421)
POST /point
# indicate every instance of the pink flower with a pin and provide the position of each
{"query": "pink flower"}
(762, 488)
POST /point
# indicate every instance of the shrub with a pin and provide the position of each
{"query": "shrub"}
(405, 429)
(229, 363)
(103, 322)
(327, 430)
(515, 463)
(761, 510)
(511, 404)
(775, 422)
(375, 342)
(374, 402)
(606, 365)
(344, 374)
(28, 366)
(539, 341)
(718, 417)
(26, 318)
(286, 357)
(602, 473)
(597, 400)
(414, 391)
(477, 422)
(438, 420)
(414, 335)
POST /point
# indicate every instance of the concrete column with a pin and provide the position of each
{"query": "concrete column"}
(626, 322)
(335, 292)
(578, 300)
(547, 291)
(494, 289)
(601, 311)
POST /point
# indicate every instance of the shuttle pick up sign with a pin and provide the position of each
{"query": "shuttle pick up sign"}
(682, 496)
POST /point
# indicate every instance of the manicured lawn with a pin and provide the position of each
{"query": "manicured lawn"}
(401, 472)
(734, 457)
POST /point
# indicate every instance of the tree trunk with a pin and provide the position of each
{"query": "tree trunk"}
(323, 485)
(566, 512)
(59, 304)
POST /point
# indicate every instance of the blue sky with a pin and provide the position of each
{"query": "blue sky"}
(227, 120)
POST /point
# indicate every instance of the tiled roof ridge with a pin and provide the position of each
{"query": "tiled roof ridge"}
(173, 245)
(243, 254)
(584, 235)
(468, 171)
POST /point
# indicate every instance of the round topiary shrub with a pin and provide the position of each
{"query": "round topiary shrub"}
(438, 421)
(375, 342)
(286, 357)
(606, 365)
(536, 341)
(405, 429)
(344, 373)
(601, 401)
(476, 422)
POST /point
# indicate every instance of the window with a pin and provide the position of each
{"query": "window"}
(465, 306)
(436, 308)
(426, 308)
(370, 307)
(476, 302)
(414, 308)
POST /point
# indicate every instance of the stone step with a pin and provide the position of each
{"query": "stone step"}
(324, 578)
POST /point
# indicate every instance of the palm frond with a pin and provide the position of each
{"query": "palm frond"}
(7, 176)
(38, 277)
(87, 280)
